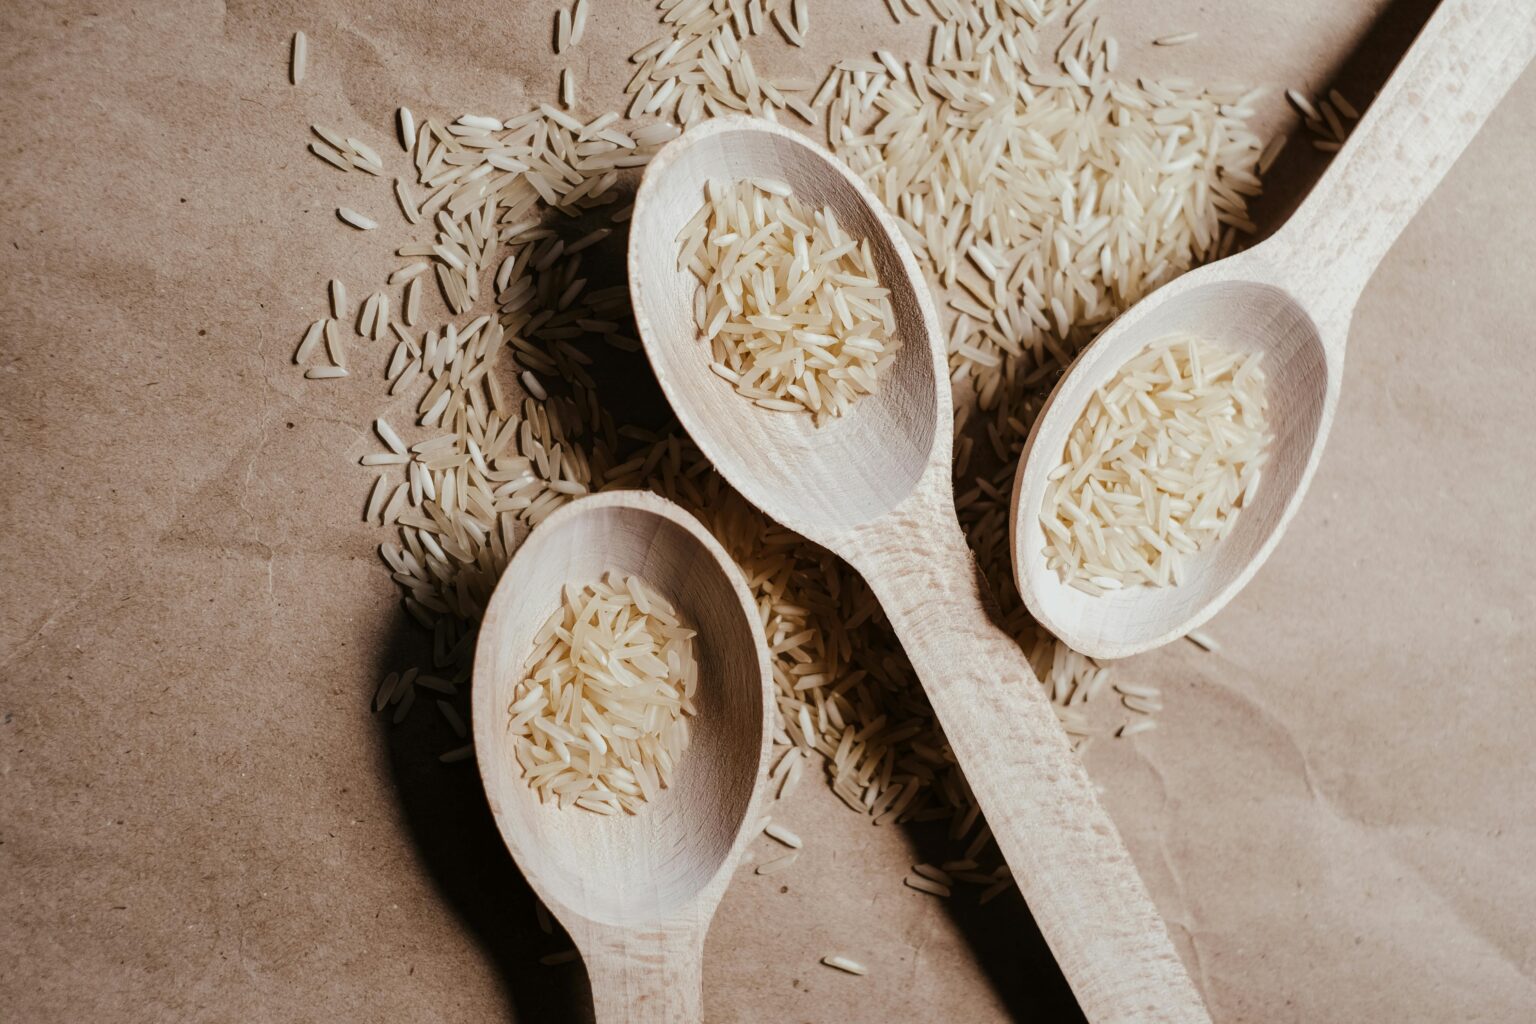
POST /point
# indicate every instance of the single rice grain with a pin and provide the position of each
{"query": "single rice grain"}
(844, 964)
(356, 219)
(299, 58)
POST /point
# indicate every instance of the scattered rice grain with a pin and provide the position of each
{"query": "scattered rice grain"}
(356, 219)
(299, 59)
(844, 964)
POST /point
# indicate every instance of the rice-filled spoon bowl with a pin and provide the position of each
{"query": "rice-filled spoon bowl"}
(635, 890)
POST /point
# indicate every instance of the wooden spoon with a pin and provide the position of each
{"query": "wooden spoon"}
(636, 892)
(1291, 298)
(874, 487)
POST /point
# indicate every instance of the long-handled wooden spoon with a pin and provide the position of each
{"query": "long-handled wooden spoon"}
(1290, 297)
(874, 487)
(636, 892)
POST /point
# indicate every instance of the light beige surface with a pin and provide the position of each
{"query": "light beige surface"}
(199, 821)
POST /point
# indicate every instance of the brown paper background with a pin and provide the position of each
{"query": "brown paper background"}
(200, 822)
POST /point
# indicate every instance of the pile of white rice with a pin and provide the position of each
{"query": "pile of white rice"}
(701, 67)
(1045, 195)
(599, 718)
(1157, 467)
(790, 304)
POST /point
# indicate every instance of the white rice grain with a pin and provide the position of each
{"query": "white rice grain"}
(312, 339)
(783, 835)
(407, 203)
(779, 864)
(299, 58)
(356, 219)
(927, 885)
(389, 437)
(1343, 105)
(376, 499)
(844, 964)
(412, 304)
(406, 123)
(330, 156)
(1302, 104)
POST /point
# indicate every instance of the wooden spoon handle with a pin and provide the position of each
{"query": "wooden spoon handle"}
(653, 977)
(1466, 58)
(1064, 851)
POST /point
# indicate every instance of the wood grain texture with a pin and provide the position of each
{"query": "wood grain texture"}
(875, 488)
(1064, 851)
(1292, 298)
(646, 977)
(636, 892)
(1466, 58)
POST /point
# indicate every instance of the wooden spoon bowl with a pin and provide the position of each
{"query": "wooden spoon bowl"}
(1291, 298)
(1243, 315)
(851, 469)
(636, 892)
